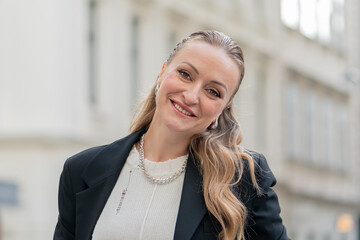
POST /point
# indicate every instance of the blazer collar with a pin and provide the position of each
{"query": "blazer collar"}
(111, 159)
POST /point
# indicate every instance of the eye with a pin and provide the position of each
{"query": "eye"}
(214, 93)
(184, 74)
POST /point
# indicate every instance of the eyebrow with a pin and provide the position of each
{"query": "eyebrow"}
(219, 83)
(192, 66)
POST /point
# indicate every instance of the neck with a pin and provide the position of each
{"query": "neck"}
(160, 144)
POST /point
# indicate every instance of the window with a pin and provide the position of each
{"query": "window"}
(342, 129)
(310, 123)
(8, 194)
(327, 131)
(290, 13)
(308, 18)
(317, 122)
(322, 20)
(291, 103)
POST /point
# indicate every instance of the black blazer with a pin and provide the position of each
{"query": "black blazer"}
(89, 177)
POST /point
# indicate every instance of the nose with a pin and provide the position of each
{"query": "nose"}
(191, 95)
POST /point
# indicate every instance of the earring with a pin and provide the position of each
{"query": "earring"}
(156, 89)
(215, 124)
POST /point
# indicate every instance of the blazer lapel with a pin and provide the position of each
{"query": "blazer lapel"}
(192, 204)
(89, 205)
(100, 176)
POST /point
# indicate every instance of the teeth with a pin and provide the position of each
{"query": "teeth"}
(182, 110)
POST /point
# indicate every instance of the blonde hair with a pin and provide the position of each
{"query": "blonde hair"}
(217, 150)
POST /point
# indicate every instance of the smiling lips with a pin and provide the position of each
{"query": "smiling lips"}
(182, 110)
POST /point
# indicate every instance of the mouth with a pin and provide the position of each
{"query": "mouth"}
(182, 109)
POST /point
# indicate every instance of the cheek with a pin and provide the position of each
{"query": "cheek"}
(170, 84)
(212, 110)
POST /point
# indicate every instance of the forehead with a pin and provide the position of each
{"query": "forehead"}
(212, 62)
(201, 47)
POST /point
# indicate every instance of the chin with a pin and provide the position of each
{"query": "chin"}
(177, 127)
(182, 128)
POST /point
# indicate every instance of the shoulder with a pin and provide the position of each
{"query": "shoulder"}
(101, 158)
(263, 173)
(259, 158)
(264, 177)
(263, 220)
(75, 167)
(80, 160)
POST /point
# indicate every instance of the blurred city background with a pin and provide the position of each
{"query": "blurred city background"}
(73, 71)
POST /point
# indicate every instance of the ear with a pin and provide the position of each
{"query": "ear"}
(159, 80)
(162, 71)
(163, 68)
(216, 119)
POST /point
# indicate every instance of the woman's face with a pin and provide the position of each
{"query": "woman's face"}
(195, 87)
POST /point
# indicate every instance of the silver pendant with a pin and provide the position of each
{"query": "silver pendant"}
(123, 194)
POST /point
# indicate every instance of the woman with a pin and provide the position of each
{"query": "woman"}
(181, 173)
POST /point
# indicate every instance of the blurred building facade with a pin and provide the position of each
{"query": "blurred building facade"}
(72, 73)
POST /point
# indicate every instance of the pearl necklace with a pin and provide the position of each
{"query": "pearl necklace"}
(158, 180)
